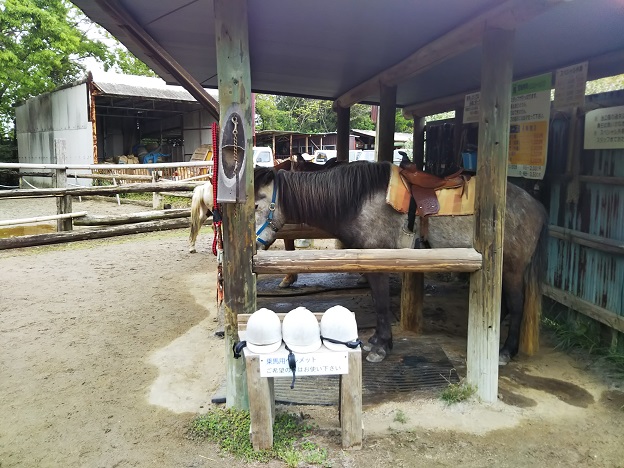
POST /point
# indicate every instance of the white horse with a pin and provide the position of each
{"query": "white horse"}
(201, 204)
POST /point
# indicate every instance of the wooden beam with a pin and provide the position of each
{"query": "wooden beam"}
(588, 240)
(464, 37)
(233, 69)
(612, 62)
(87, 234)
(108, 190)
(301, 231)
(40, 219)
(384, 145)
(136, 31)
(342, 133)
(486, 283)
(367, 260)
(113, 220)
(609, 318)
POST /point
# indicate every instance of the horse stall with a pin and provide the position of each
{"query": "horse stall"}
(439, 53)
(108, 118)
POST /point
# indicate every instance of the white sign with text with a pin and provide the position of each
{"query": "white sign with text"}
(319, 363)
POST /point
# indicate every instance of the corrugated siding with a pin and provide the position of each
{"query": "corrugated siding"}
(592, 275)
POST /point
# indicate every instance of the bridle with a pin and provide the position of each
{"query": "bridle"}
(269, 222)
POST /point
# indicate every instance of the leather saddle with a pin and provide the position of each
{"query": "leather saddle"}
(423, 186)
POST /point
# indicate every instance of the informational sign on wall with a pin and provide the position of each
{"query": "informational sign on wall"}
(570, 86)
(319, 363)
(604, 128)
(471, 107)
(528, 133)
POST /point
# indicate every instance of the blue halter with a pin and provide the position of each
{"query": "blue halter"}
(269, 221)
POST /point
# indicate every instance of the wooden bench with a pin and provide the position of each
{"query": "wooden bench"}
(262, 394)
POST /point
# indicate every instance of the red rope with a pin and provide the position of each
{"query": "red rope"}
(217, 241)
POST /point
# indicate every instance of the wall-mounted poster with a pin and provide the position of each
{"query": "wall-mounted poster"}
(570, 85)
(604, 128)
(528, 133)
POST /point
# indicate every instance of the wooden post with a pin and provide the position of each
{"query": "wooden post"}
(262, 411)
(157, 198)
(63, 203)
(232, 40)
(387, 114)
(342, 136)
(351, 402)
(486, 284)
(413, 284)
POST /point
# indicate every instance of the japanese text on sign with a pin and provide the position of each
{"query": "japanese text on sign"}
(321, 363)
(570, 86)
(604, 128)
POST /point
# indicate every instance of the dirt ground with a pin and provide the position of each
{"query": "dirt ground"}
(108, 353)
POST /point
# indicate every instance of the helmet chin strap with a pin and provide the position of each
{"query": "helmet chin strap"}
(292, 363)
(269, 222)
(349, 344)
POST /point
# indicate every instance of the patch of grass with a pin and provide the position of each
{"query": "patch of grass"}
(579, 336)
(229, 428)
(456, 392)
(399, 416)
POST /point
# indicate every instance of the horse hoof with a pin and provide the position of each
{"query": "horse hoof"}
(503, 359)
(378, 354)
(367, 347)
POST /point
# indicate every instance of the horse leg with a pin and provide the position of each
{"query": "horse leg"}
(196, 215)
(289, 279)
(381, 340)
(513, 295)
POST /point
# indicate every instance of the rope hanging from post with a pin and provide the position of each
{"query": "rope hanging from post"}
(217, 220)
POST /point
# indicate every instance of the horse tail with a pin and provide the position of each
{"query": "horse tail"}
(532, 313)
(196, 202)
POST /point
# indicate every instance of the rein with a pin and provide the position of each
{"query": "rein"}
(269, 221)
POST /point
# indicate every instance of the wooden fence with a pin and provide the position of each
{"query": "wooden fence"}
(129, 178)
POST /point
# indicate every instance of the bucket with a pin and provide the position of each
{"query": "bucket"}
(469, 160)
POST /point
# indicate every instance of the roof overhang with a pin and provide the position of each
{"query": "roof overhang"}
(341, 50)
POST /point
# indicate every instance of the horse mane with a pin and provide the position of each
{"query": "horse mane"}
(333, 196)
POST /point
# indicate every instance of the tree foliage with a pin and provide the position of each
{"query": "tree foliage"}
(41, 47)
(313, 116)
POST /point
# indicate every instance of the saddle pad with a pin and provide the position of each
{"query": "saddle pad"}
(398, 195)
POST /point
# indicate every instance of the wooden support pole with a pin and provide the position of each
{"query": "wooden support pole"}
(342, 136)
(351, 402)
(367, 260)
(413, 284)
(59, 180)
(233, 69)
(262, 412)
(486, 284)
(387, 113)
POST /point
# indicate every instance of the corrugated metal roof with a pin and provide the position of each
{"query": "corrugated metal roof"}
(114, 84)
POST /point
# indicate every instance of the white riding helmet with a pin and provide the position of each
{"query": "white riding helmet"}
(338, 324)
(264, 332)
(300, 331)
